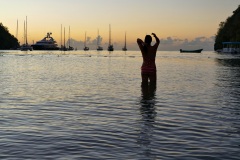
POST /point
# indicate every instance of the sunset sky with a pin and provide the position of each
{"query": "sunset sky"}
(174, 21)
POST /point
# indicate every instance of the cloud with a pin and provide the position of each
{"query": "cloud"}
(91, 43)
(170, 43)
(167, 44)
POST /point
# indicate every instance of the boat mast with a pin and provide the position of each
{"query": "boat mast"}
(61, 35)
(69, 38)
(125, 41)
(64, 38)
(85, 40)
(24, 34)
(109, 34)
(98, 39)
(26, 31)
(17, 30)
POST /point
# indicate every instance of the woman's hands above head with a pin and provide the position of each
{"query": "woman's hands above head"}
(157, 39)
(139, 41)
(154, 34)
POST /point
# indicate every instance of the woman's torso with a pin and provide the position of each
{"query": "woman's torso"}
(148, 65)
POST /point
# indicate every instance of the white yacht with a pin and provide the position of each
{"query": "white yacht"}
(47, 43)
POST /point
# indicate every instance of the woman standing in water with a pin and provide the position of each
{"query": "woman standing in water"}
(148, 69)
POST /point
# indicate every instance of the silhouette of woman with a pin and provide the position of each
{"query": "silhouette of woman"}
(148, 69)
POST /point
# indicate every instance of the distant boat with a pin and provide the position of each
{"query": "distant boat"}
(191, 51)
(125, 44)
(99, 48)
(110, 46)
(63, 47)
(26, 47)
(85, 47)
(230, 47)
(47, 43)
(70, 48)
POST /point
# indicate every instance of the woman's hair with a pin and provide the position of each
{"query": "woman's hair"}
(148, 40)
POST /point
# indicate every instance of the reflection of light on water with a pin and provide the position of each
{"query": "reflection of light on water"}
(61, 104)
(148, 114)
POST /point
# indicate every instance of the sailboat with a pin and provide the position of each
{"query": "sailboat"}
(69, 46)
(99, 48)
(85, 47)
(125, 44)
(110, 46)
(25, 47)
(63, 47)
(17, 47)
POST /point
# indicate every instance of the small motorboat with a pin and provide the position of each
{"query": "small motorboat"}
(191, 51)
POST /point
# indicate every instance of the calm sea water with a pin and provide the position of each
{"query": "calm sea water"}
(90, 105)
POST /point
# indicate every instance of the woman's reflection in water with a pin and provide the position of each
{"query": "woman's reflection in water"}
(148, 114)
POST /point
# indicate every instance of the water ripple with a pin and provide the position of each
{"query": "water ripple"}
(56, 105)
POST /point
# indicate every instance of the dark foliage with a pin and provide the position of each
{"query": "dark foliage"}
(7, 41)
(229, 31)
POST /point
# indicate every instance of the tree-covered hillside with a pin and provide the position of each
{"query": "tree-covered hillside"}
(7, 41)
(229, 31)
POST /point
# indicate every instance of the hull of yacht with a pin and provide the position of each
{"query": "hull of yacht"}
(44, 47)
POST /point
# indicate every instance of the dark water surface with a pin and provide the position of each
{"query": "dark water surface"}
(90, 105)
